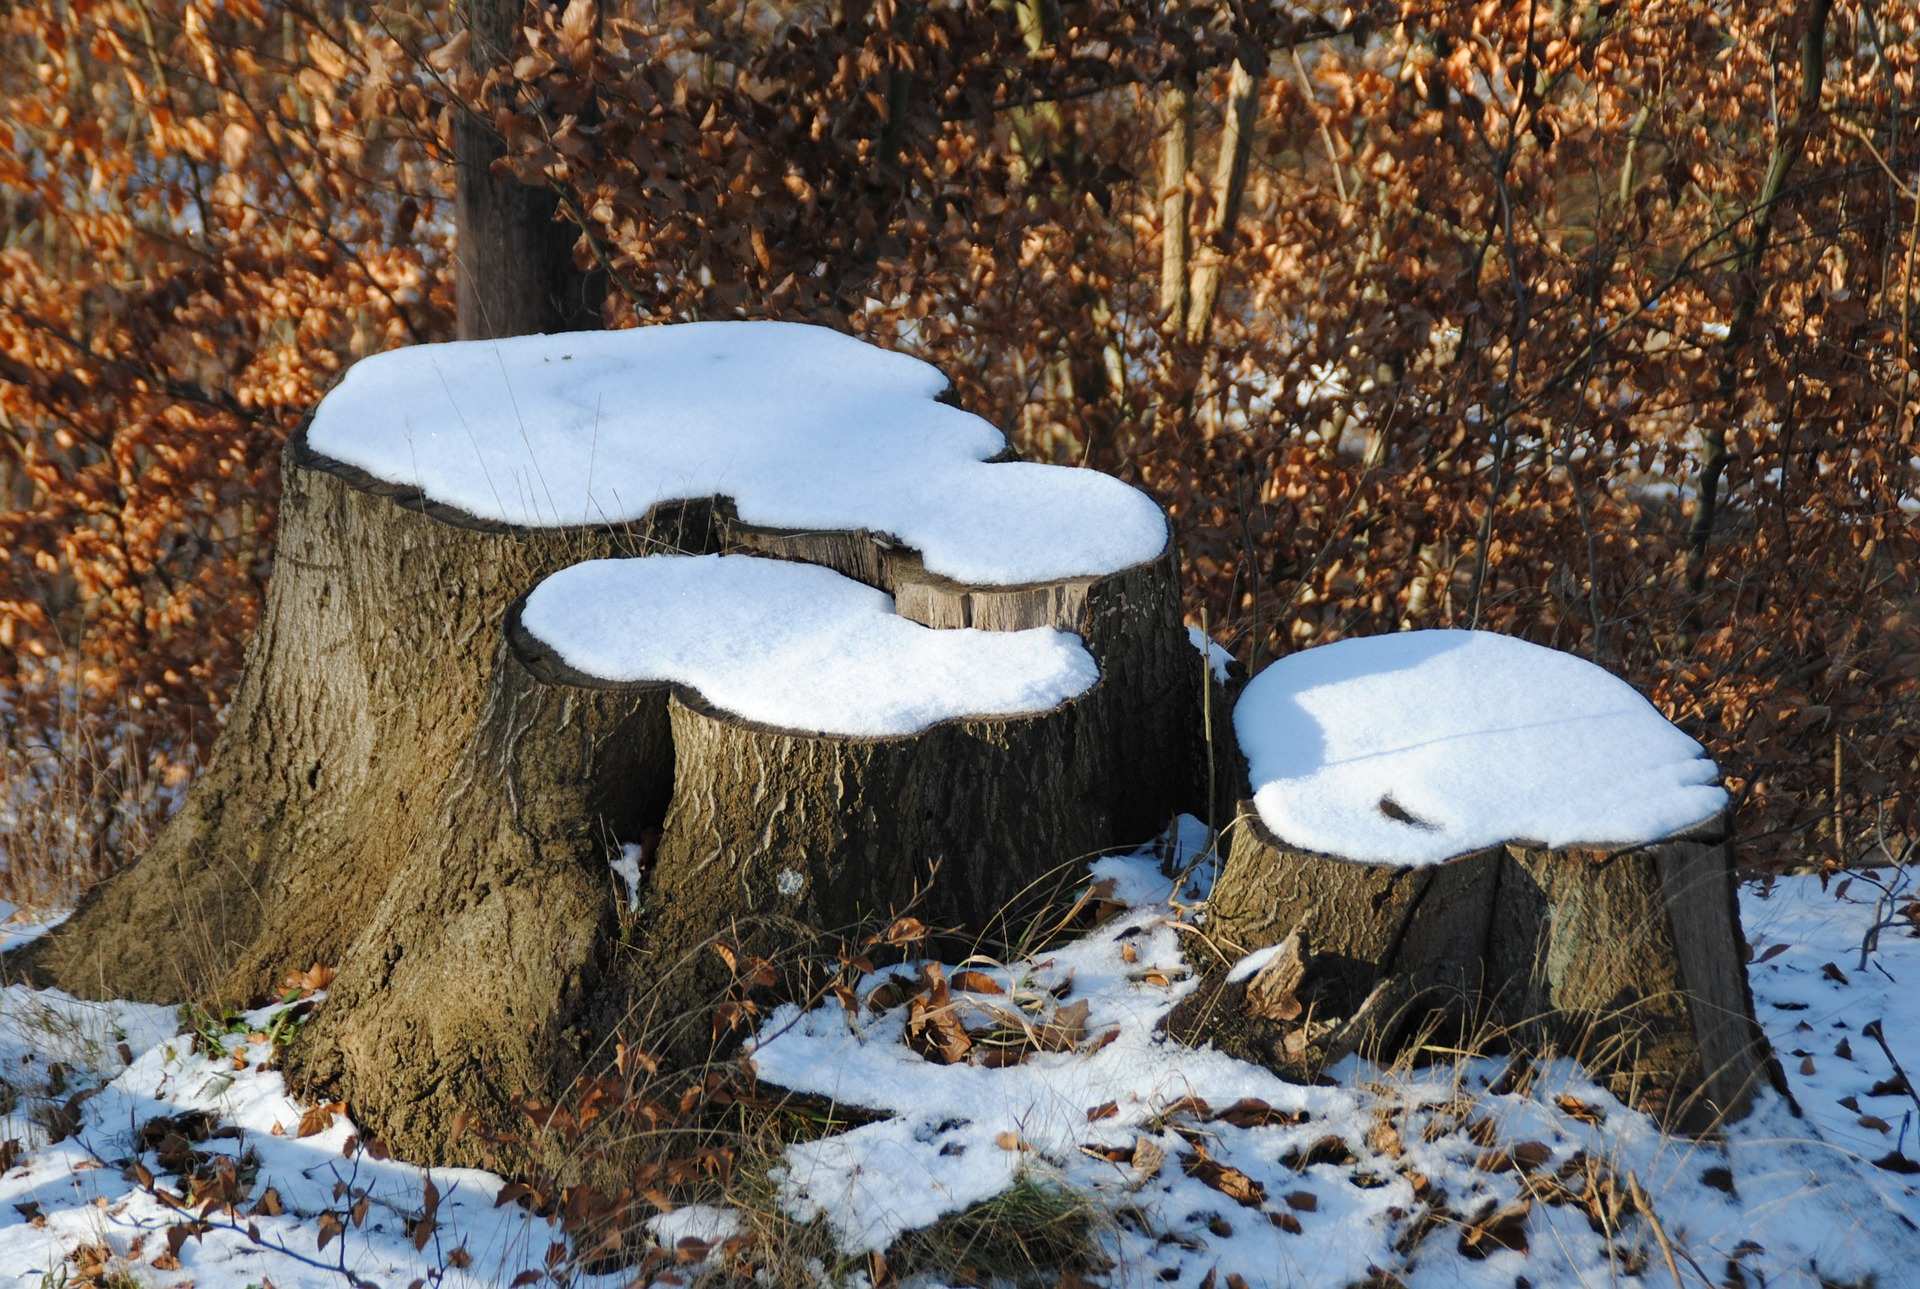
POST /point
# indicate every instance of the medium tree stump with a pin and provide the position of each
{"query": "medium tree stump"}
(498, 963)
(403, 792)
(1626, 953)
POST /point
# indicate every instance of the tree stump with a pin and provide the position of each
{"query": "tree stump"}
(363, 686)
(408, 790)
(1460, 827)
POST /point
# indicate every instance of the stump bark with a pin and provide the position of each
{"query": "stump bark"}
(1630, 959)
(363, 686)
(404, 792)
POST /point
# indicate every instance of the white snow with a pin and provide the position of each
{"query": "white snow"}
(1218, 659)
(795, 646)
(1251, 965)
(1787, 1201)
(801, 426)
(61, 1195)
(626, 866)
(1480, 738)
(1777, 1198)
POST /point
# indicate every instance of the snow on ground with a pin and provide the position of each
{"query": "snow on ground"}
(1212, 1166)
(1417, 747)
(79, 1192)
(18, 926)
(1454, 1175)
(801, 426)
(795, 646)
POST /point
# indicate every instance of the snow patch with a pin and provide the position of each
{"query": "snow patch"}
(801, 426)
(1318, 1194)
(1418, 747)
(626, 866)
(1218, 659)
(795, 646)
(1251, 965)
(1788, 1201)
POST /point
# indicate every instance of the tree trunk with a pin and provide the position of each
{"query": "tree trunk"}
(363, 684)
(1176, 150)
(1229, 186)
(407, 791)
(1148, 700)
(1632, 961)
(514, 269)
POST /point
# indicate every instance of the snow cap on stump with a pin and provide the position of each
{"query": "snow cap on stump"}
(793, 646)
(802, 428)
(1415, 748)
(1449, 827)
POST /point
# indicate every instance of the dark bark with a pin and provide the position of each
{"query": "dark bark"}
(1631, 960)
(514, 267)
(1138, 724)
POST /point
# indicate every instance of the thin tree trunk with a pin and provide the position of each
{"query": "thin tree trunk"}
(1748, 288)
(514, 270)
(1229, 184)
(1176, 240)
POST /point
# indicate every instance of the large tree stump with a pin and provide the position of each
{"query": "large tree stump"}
(1464, 828)
(406, 793)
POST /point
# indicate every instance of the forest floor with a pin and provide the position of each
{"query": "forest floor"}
(138, 1149)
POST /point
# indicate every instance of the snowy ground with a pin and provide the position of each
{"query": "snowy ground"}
(1200, 1170)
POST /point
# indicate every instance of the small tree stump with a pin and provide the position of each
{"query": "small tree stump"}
(1389, 778)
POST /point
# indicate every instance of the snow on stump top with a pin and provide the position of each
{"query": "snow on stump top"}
(1418, 747)
(792, 646)
(827, 754)
(1456, 827)
(800, 427)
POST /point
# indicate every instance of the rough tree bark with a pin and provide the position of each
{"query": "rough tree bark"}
(405, 792)
(363, 683)
(1631, 960)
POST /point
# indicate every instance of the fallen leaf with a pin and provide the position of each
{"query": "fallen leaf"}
(1229, 1181)
(1252, 1112)
(976, 982)
(317, 1119)
(1504, 1228)
(1063, 1030)
(1147, 1160)
(1384, 1138)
